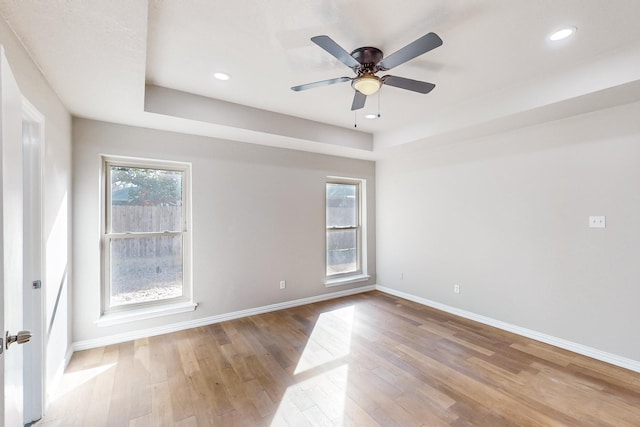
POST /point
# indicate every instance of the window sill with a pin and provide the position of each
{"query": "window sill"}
(144, 313)
(346, 280)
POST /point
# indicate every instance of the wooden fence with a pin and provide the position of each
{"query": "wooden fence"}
(146, 219)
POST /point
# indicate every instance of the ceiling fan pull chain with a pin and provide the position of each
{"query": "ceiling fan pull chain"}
(355, 119)
(379, 95)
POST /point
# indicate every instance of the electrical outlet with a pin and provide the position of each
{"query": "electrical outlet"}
(401, 276)
(283, 284)
(597, 221)
(456, 289)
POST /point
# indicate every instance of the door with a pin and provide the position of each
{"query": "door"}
(32, 149)
(10, 244)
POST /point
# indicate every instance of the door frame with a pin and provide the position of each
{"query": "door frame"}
(34, 368)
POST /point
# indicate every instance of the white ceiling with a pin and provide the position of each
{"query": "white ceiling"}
(495, 70)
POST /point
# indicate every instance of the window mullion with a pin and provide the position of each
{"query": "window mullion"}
(144, 234)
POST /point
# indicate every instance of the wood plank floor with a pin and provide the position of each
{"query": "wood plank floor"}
(365, 360)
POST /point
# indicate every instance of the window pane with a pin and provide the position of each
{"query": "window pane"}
(145, 269)
(342, 205)
(145, 200)
(341, 251)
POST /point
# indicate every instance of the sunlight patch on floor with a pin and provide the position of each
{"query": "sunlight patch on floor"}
(330, 339)
(318, 398)
(73, 380)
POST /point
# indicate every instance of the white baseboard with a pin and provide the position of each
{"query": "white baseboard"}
(584, 350)
(613, 359)
(175, 327)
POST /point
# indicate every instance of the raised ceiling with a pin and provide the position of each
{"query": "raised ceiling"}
(496, 69)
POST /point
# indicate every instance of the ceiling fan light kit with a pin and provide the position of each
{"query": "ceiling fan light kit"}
(367, 61)
(367, 84)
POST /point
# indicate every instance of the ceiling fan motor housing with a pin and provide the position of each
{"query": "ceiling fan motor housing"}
(368, 57)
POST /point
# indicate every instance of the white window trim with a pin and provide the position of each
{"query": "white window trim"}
(360, 275)
(346, 280)
(148, 309)
(120, 317)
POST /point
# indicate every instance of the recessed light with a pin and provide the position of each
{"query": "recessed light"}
(221, 76)
(371, 116)
(562, 33)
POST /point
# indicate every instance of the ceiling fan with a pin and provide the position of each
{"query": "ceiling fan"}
(367, 61)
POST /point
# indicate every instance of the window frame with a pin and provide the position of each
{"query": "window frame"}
(360, 273)
(148, 308)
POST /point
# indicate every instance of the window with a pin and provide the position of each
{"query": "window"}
(345, 258)
(146, 237)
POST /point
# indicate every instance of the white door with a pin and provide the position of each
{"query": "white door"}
(32, 149)
(10, 244)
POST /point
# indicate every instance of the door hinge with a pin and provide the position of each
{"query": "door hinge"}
(36, 284)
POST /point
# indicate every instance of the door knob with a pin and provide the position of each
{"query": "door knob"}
(21, 338)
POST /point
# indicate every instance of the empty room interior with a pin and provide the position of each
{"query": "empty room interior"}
(290, 213)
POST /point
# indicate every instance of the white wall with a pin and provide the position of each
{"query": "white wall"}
(505, 217)
(57, 199)
(258, 218)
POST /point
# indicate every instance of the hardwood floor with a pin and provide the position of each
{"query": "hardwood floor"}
(366, 360)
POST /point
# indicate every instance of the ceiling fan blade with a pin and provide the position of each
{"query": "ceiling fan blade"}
(334, 49)
(358, 100)
(408, 84)
(416, 48)
(320, 83)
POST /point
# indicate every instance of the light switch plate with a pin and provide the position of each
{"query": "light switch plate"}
(597, 222)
